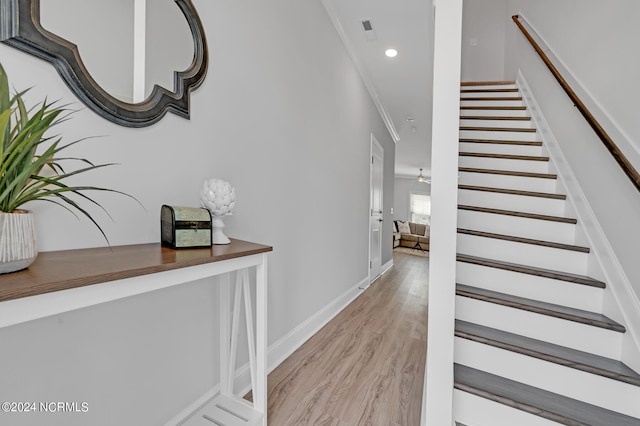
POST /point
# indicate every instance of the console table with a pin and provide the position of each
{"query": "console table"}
(63, 281)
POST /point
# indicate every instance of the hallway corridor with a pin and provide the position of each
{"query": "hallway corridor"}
(366, 366)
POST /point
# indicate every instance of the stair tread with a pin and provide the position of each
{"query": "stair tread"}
(491, 98)
(557, 354)
(558, 311)
(504, 156)
(522, 240)
(494, 107)
(519, 214)
(498, 129)
(488, 83)
(501, 142)
(531, 270)
(513, 192)
(501, 90)
(536, 401)
(494, 117)
(508, 173)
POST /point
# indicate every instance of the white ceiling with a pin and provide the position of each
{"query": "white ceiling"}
(401, 86)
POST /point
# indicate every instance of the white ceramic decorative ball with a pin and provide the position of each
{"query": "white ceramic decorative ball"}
(218, 196)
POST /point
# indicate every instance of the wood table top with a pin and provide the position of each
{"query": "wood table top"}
(66, 269)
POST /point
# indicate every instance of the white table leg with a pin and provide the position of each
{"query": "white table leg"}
(260, 391)
(250, 335)
(224, 300)
(237, 288)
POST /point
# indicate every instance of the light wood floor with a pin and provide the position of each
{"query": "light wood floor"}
(366, 367)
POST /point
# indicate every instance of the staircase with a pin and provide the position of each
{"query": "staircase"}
(532, 346)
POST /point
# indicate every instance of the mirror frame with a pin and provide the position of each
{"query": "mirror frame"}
(20, 27)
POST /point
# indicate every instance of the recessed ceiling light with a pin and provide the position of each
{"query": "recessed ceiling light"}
(391, 53)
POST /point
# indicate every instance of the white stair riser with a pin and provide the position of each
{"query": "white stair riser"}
(515, 124)
(570, 382)
(494, 148)
(490, 112)
(523, 254)
(539, 205)
(512, 225)
(488, 94)
(503, 136)
(521, 183)
(488, 86)
(509, 103)
(473, 410)
(578, 296)
(530, 166)
(562, 332)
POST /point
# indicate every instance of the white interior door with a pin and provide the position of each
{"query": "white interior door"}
(376, 210)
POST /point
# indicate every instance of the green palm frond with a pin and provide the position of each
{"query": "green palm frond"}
(31, 168)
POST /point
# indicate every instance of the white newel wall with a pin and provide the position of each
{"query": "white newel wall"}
(283, 116)
(438, 397)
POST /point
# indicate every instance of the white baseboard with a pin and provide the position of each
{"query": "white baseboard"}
(286, 345)
(290, 342)
(384, 268)
(618, 285)
(387, 266)
(282, 349)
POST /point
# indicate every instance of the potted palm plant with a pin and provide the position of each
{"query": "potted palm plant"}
(32, 169)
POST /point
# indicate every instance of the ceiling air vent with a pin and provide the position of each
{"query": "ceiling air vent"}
(369, 33)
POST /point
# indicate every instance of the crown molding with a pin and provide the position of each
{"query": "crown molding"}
(364, 76)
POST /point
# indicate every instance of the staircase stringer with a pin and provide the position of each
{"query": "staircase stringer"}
(620, 299)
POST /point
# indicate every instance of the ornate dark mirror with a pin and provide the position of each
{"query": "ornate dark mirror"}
(120, 78)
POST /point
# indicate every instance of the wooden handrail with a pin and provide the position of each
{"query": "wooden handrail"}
(627, 167)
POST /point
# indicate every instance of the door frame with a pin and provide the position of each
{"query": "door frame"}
(375, 145)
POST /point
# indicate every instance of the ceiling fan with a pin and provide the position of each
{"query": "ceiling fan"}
(423, 179)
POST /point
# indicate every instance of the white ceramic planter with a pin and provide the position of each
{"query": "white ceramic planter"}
(18, 247)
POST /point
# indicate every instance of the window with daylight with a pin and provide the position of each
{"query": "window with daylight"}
(420, 208)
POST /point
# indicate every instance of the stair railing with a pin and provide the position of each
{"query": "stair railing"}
(617, 154)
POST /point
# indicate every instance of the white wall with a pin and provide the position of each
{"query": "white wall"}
(592, 40)
(483, 24)
(282, 115)
(403, 189)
